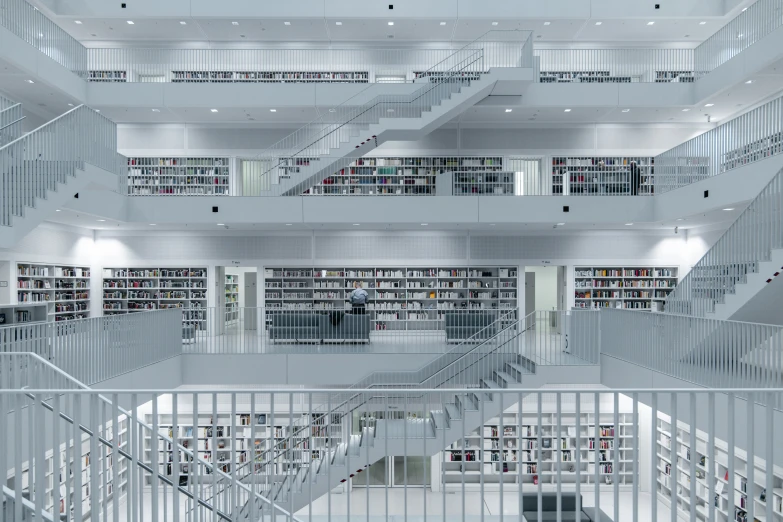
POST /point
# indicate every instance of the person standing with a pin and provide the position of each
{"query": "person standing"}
(636, 178)
(358, 299)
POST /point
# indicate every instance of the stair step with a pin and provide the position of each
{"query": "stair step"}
(521, 370)
(453, 412)
(439, 419)
(489, 383)
(505, 379)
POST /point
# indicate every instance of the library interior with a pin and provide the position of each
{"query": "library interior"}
(341, 261)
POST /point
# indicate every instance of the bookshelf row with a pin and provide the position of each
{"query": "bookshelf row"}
(65, 290)
(153, 176)
(520, 450)
(232, 298)
(205, 76)
(730, 495)
(608, 77)
(127, 290)
(636, 288)
(602, 175)
(413, 298)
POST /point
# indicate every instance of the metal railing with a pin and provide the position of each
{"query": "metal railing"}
(350, 121)
(552, 452)
(750, 26)
(376, 329)
(41, 160)
(748, 242)
(615, 65)
(11, 119)
(99, 348)
(562, 337)
(32, 26)
(751, 137)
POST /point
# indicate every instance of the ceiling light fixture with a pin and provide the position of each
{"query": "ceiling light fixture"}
(680, 219)
(58, 210)
(29, 81)
(221, 224)
(391, 23)
(626, 110)
(560, 224)
(130, 22)
(152, 224)
(234, 23)
(101, 220)
(288, 224)
(509, 110)
(567, 110)
(709, 104)
(443, 23)
(338, 23)
(424, 224)
(155, 110)
(494, 23)
(547, 23)
(356, 224)
(272, 110)
(183, 22)
(685, 110)
(492, 224)
(702, 23)
(650, 23)
(213, 110)
(77, 22)
(749, 81)
(286, 23)
(628, 224)
(728, 209)
(598, 23)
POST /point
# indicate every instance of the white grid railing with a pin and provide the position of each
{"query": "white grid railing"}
(11, 119)
(614, 65)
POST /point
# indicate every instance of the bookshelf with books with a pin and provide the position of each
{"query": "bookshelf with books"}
(232, 298)
(674, 77)
(400, 298)
(521, 450)
(127, 290)
(107, 76)
(483, 183)
(630, 287)
(584, 77)
(730, 495)
(179, 176)
(401, 176)
(240, 442)
(65, 289)
(601, 175)
(250, 76)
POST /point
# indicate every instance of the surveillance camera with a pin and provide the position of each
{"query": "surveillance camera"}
(676, 229)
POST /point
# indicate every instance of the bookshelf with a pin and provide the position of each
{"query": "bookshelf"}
(584, 77)
(65, 289)
(600, 175)
(400, 176)
(483, 183)
(179, 176)
(400, 298)
(23, 313)
(729, 495)
(674, 76)
(232, 298)
(249, 76)
(524, 452)
(216, 437)
(635, 288)
(107, 76)
(754, 151)
(466, 75)
(127, 290)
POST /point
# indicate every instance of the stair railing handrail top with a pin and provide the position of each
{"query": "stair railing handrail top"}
(686, 316)
(272, 147)
(52, 122)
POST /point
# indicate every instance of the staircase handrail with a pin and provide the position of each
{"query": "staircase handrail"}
(747, 242)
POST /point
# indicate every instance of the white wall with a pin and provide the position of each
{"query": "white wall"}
(546, 286)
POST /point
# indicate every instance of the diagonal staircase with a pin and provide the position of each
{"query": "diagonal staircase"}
(11, 117)
(43, 169)
(738, 277)
(489, 360)
(372, 116)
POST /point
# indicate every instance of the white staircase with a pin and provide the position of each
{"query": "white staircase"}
(372, 116)
(43, 169)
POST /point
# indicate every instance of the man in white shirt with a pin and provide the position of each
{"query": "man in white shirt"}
(358, 299)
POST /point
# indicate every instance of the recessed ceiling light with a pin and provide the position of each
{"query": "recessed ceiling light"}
(567, 110)
(221, 224)
(286, 23)
(628, 224)
(424, 224)
(709, 104)
(389, 110)
(494, 23)
(626, 110)
(213, 110)
(391, 23)
(288, 224)
(272, 110)
(152, 224)
(183, 22)
(749, 81)
(598, 23)
(680, 219)
(685, 110)
(130, 22)
(560, 224)
(338, 23)
(650, 23)
(234, 23)
(155, 110)
(547, 23)
(702, 23)
(509, 110)
(77, 22)
(728, 209)
(58, 210)
(443, 23)
(29, 81)
(101, 220)
(356, 224)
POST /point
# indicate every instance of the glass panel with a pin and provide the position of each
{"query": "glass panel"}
(418, 471)
(376, 474)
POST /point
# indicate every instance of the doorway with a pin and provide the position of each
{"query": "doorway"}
(236, 297)
(396, 472)
(545, 288)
